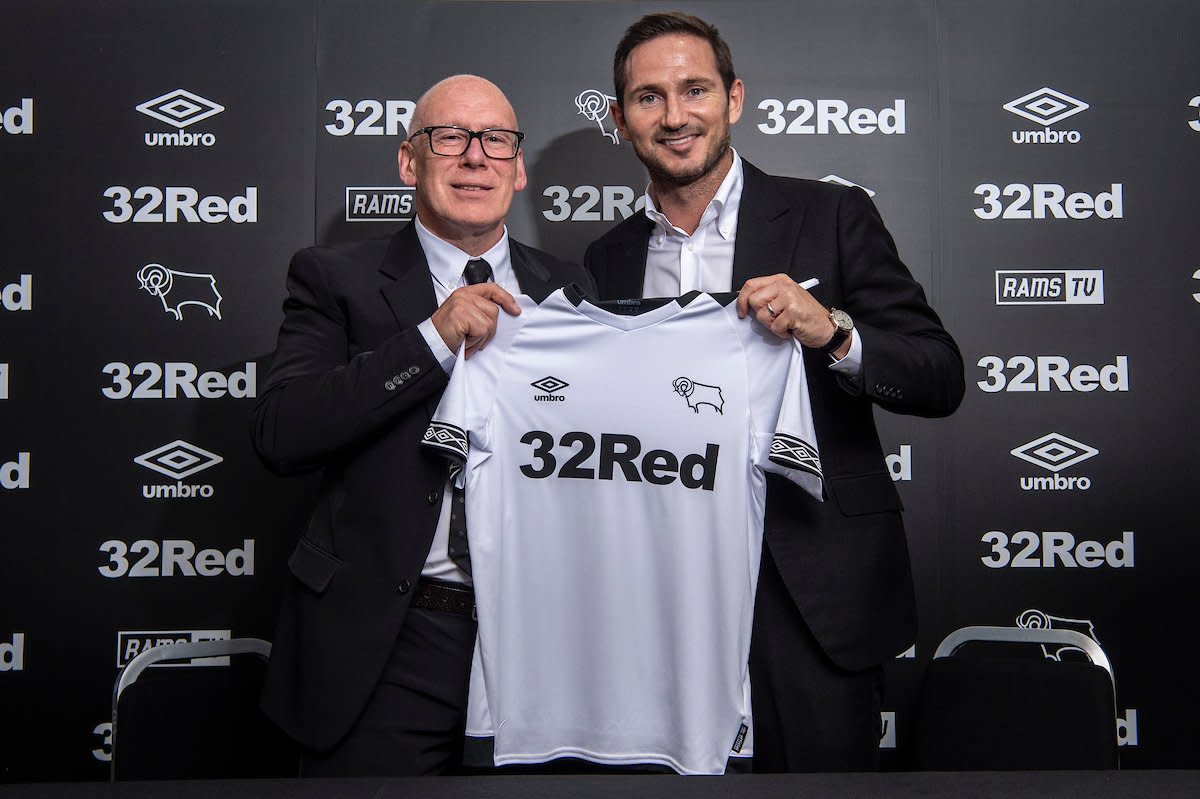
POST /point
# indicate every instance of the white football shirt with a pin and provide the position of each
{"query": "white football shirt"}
(615, 469)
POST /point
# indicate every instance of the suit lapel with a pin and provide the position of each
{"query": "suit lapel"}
(532, 276)
(626, 263)
(767, 228)
(408, 290)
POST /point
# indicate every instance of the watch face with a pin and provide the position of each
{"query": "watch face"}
(841, 319)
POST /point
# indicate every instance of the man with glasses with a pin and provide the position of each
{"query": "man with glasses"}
(372, 654)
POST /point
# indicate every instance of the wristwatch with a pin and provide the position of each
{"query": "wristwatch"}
(843, 324)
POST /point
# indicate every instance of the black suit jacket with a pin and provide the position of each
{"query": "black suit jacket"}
(844, 561)
(351, 390)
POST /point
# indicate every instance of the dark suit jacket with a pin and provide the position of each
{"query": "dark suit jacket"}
(844, 561)
(351, 390)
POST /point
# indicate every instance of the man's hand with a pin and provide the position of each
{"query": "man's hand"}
(779, 303)
(470, 313)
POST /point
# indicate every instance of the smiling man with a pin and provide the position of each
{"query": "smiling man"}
(834, 590)
(372, 653)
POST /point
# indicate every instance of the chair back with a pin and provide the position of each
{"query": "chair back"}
(992, 707)
(196, 715)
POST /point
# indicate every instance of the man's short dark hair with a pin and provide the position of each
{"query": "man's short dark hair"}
(652, 26)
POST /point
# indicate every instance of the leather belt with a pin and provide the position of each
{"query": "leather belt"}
(445, 597)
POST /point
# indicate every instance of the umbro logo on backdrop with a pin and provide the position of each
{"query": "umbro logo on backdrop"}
(1055, 452)
(180, 109)
(1046, 107)
(178, 460)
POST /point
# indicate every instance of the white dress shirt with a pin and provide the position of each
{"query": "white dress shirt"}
(446, 264)
(678, 262)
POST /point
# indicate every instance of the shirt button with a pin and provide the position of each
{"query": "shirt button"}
(433, 497)
(404, 585)
(691, 247)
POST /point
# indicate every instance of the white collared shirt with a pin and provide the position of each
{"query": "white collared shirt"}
(677, 262)
(446, 265)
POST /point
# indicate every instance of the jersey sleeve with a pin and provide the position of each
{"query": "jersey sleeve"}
(794, 452)
(780, 408)
(461, 416)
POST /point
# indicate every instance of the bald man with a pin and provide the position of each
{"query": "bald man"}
(372, 654)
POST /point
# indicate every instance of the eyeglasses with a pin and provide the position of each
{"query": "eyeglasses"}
(453, 140)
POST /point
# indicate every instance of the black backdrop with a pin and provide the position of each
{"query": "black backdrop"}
(1036, 162)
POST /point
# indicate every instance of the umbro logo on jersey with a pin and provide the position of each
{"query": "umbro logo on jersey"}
(698, 394)
(549, 385)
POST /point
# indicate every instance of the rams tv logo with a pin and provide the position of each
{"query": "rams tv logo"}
(132, 643)
(1050, 287)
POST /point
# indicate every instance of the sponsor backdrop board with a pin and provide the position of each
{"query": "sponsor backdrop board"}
(1036, 163)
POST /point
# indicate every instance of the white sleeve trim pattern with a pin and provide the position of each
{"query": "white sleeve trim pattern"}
(449, 439)
(792, 452)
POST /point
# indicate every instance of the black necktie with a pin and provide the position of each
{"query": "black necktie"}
(477, 271)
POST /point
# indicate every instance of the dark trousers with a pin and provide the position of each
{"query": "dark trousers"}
(809, 715)
(414, 721)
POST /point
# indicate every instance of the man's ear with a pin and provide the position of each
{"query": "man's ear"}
(404, 160)
(737, 95)
(521, 181)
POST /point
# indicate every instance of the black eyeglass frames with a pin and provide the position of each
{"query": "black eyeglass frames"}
(454, 141)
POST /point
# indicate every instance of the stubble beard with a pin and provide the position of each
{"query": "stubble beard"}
(676, 180)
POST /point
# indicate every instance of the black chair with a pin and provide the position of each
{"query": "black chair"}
(198, 719)
(1002, 704)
